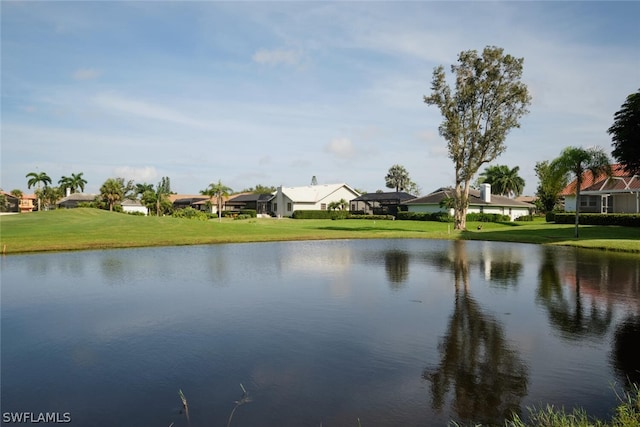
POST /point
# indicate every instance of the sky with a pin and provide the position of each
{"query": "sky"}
(274, 93)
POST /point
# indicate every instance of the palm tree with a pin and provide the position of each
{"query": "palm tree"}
(142, 188)
(111, 192)
(218, 190)
(579, 161)
(74, 183)
(77, 182)
(35, 179)
(503, 181)
(398, 178)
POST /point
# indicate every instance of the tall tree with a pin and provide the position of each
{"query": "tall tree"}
(260, 189)
(217, 190)
(504, 181)
(143, 188)
(17, 193)
(112, 192)
(579, 162)
(36, 179)
(398, 178)
(163, 189)
(488, 101)
(551, 181)
(625, 134)
(74, 182)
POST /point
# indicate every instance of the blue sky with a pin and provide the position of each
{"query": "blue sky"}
(273, 93)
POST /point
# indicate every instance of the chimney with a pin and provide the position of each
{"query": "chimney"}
(485, 192)
(68, 191)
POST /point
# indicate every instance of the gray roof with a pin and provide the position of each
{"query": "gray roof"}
(78, 197)
(474, 199)
(392, 196)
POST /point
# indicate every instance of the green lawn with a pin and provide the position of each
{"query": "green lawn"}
(76, 229)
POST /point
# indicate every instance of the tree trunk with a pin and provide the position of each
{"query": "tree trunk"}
(460, 206)
(578, 183)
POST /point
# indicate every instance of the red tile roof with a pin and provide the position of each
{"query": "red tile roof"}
(619, 180)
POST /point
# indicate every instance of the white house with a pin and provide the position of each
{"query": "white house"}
(310, 197)
(618, 193)
(129, 205)
(481, 201)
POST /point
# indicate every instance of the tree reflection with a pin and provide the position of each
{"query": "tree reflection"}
(396, 263)
(568, 313)
(488, 377)
(626, 353)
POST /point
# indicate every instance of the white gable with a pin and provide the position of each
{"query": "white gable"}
(313, 193)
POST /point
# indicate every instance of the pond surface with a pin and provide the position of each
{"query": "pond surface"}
(390, 332)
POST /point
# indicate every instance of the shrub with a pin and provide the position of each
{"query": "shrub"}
(190, 213)
(525, 218)
(374, 217)
(550, 216)
(243, 216)
(252, 213)
(136, 213)
(626, 220)
(484, 217)
(306, 214)
(425, 216)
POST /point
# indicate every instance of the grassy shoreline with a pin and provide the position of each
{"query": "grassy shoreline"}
(84, 229)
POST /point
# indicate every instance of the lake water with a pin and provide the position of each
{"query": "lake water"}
(390, 332)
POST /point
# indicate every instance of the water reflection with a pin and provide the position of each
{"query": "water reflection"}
(626, 354)
(575, 311)
(488, 377)
(396, 263)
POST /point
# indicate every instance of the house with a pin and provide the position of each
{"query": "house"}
(12, 203)
(618, 193)
(310, 197)
(261, 203)
(132, 206)
(27, 203)
(196, 201)
(73, 200)
(480, 201)
(380, 203)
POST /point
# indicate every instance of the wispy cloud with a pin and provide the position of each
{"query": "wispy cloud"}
(86, 74)
(121, 104)
(342, 148)
(277, 57)
(138, 174)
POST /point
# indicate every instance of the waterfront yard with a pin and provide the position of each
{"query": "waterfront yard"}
(84, 228)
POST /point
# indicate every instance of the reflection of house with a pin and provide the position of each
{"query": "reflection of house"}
(259, 202)
(619, 193)
(380, 203)
(73, 200)
(196, 201)
(310, 197)
(479, 202)
(132, 206)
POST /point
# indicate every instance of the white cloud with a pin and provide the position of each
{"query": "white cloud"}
(276, 57)
(341, 147)
(86, 74)
(143, 174)
(121, 104)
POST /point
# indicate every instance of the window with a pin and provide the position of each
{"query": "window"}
(593, 201)
(289, 207)
(323, 206)
(275, 207)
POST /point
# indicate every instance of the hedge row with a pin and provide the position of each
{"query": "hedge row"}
(627, 220)
(304, 214)
(374, 217)
(424, 216)
(247, 213)
(483, 217)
